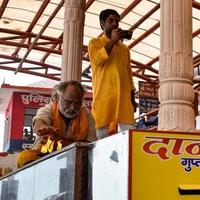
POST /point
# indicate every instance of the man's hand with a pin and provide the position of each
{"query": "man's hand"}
(135, 105)
(115, 35)
(44, 130)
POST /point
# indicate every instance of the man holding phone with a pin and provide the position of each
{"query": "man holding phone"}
(113, 89)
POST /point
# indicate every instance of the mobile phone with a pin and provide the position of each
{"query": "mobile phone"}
(126, 34)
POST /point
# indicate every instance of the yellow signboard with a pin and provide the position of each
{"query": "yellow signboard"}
(164, 166)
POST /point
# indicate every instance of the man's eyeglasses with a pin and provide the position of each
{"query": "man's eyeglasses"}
(69, 102)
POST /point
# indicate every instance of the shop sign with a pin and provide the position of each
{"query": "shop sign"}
(165, 148)
(35, 98)
(148, 96)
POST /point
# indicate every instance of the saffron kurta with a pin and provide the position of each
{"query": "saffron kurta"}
(46, 115)
(49, 114)
(111, 82)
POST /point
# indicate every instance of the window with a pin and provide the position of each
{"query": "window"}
(28, 134)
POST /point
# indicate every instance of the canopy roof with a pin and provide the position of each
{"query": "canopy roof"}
(31, 36)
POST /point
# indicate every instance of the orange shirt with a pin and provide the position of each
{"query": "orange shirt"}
(111, 82)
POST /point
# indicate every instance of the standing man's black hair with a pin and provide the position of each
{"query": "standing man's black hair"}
(105, 13)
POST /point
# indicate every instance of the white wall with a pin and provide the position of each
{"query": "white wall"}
(2, 118)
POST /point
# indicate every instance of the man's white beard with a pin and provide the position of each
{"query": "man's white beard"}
(69, 114)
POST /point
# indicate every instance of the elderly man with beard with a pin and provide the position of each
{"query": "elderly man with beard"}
(61, 122)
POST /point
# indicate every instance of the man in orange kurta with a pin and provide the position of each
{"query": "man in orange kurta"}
(113, 88)
(61, 122)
